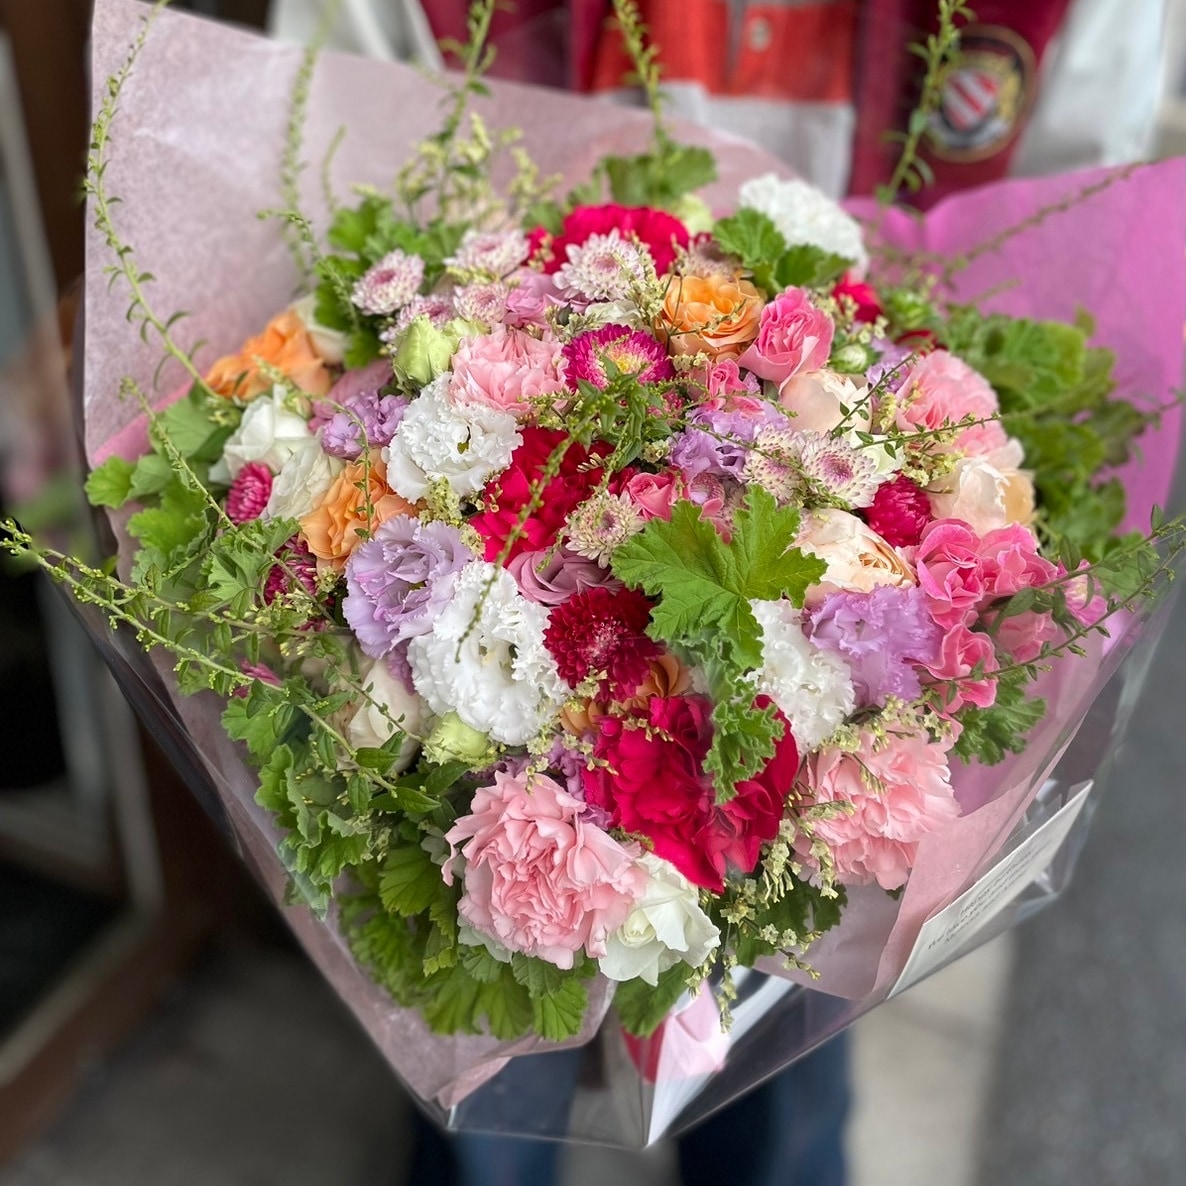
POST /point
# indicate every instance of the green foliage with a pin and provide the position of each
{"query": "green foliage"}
(743, 737)
(704, 585)
(110, 484)
(763, 251)
(660, 177)
(641, 1007)
(991, 734)
(801, 909)
(263, 719)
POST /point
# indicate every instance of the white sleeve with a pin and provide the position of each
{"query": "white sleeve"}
(1100, 88)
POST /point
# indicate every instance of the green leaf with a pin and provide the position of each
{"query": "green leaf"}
(559, 1014)
(189, 425)
(991, 734)
(110, 484)
(752, 237)
(743, 741)
(262, 719)
(805, 266)
(410, 882)
(153, 473)
(704, 585)
(641, 1008)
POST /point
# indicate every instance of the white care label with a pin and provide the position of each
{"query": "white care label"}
(944, 934)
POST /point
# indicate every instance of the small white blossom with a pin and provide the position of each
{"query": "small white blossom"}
(463, 444)
(666, 927)
(302, 481)
(812, 687)
(486, 659)
(804, 214)
(268, 433)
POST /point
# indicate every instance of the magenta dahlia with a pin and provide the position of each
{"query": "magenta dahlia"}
(899, 512)
(632, 351)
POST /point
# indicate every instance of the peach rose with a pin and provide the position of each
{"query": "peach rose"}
(715, 315)
(858, 559)
(285, 345)
(332, 527)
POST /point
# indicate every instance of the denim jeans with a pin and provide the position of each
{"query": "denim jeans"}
(788, 1132)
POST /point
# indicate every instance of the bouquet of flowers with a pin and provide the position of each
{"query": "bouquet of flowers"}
(609, 594)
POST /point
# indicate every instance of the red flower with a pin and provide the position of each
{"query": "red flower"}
(656, 230)
(900, 512)
(511, 491)
(603, 630)
(864, 296)
(653, 783)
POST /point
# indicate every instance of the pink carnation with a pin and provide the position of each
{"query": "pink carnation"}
(539, 877)
(960, 653)
(506, 369)
(249, 493)
(941, 391)
(899, 793)
(793, 336)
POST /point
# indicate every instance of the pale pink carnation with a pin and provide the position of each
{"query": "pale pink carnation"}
(506, 369)
(539, 877)
(960, 653)
(899, 794)
(793, 336)
(941, 391)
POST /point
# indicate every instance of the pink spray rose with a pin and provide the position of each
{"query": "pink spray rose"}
(793, 336)
(506, 369)
(899, 791)
(942, 390)
(960, 653)
(539, 877)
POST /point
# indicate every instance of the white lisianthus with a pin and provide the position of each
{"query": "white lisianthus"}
(388, 707)
(268, 433)
(330, 344)
(987, 491)
(812, 687)
(666, 927)
(486, 659)
(462, 444)
(302, 481)
(804, 214)
(603, 313)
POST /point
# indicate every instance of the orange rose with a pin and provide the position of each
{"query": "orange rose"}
(284, 345)
(715, 315)
(332, 527)
(667, 677)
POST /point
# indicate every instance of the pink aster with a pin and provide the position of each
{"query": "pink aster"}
(249, 493)
(602, 632)
(632, 351)
(390, 284)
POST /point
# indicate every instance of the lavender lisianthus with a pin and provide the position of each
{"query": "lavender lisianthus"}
(881, 635)
(366, 414)
(718, 442)
(399, 580)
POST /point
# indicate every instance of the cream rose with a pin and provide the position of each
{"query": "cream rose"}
(302, 482)
(665, 927)
(268, 433)
(986, 492)
(858, 559)
(389, 706)
(814, 401)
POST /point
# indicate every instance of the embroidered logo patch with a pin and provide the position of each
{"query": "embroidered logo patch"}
(986, 96)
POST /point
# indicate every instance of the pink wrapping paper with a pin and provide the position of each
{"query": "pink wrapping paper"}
(196, 155)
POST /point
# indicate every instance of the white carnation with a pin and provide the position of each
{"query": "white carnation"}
(268, 433)
(389, 706)
(302, 482)
(435, 439)
(812, 687)
(666, 927)
(804, 214)
(487, 662)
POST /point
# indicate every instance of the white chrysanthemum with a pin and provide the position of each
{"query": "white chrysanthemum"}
(437, 307)
(602, 523)
(804, 214)
(839, 469)
(494, 253)
(602, 268)
(464, 445)
(483, 303)
(486, 660)
(390, 284)
(268, 433)
(812, 687)
(302, 482)
(665, 927)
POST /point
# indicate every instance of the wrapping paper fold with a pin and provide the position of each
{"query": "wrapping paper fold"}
(196, 155)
